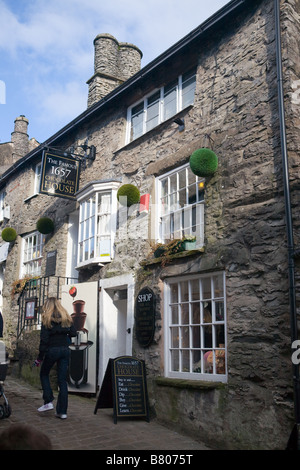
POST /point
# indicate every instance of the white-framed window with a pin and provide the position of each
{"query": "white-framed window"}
(160, 105)
(2, 198)
(37, 177)
(180, 195)
(97, 222)
(195, 332)
(33, 247)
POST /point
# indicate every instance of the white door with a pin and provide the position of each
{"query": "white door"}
(116, 319)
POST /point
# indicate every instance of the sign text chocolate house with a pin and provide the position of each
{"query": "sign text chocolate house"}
(59, 175)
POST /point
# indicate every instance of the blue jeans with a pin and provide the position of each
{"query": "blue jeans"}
(59, 355)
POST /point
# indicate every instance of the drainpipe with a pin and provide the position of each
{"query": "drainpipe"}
(294, 439)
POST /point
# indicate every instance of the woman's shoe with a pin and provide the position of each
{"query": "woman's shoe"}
(61, 416)
(46, 407)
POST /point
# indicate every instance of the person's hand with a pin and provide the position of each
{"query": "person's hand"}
(36, 363)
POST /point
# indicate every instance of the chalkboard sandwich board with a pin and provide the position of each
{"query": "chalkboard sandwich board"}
(124, 386)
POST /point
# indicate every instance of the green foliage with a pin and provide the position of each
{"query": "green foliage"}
(45, 225)
(130, 192)
(203, 162)
(9, 234)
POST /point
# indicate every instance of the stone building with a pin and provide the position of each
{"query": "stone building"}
(219, 359)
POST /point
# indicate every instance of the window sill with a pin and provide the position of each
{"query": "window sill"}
(188, 384)
(170, 258)
(31, 197)
(93, 263)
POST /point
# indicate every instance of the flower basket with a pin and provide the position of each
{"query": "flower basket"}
(45, 225)
(203, 162)
(128, 194)
(9, 234)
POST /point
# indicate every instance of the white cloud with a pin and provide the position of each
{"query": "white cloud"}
(48, 44)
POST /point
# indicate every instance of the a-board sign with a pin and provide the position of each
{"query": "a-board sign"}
(145, 316)
(124, 388)
(59, 175)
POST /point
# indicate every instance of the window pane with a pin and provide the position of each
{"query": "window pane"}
(196, 342)
(185, 314)
(184, 291)
(206, 288)
(196, 313)
(174, 314)
(152, 111)
(185, 361)
(170, 100)
(220, 362)
(188, 89)
(175, 360)
(174, 293)
(175, 337)
(137, 115)
(195, 292)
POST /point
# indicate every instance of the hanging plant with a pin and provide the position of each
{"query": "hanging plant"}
(130, 192)
(203, 162)
(45, 225)
(9, 234)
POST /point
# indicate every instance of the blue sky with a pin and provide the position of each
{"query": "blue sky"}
(47, 52)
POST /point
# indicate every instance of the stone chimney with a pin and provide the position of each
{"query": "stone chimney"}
(114, 63)
(19, 138)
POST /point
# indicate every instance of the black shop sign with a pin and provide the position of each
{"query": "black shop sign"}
(145, 316)
(124, 388)
(60, 175)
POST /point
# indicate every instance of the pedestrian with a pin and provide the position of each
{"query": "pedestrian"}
(56, 333)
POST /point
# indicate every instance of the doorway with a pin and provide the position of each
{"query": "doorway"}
(115, 320)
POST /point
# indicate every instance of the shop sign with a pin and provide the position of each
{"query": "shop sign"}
(60, 175)
(145, 316)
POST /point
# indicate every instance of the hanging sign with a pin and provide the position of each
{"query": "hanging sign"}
(124, 388)
(145, 317)
(59, 175)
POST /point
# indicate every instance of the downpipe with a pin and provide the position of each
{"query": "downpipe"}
(294, 440)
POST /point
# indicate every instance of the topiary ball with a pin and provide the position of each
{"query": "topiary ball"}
(9, 234)
(130, 192)
(203, 162)
(45, 225)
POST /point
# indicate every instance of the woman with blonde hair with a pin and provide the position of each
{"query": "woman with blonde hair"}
(56, 333)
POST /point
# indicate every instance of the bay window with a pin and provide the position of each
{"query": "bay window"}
(195, 333)
(97, 222)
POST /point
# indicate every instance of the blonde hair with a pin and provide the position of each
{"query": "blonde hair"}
(53, 311)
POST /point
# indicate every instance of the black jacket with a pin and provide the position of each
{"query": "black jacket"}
(55, 336)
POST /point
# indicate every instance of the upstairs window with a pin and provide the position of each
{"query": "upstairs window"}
(161, 105)
(181, 206)
(97, 222)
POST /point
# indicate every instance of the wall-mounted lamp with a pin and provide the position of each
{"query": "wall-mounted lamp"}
(180, 123)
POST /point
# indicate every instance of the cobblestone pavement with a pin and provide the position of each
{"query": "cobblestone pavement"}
(85, 430)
